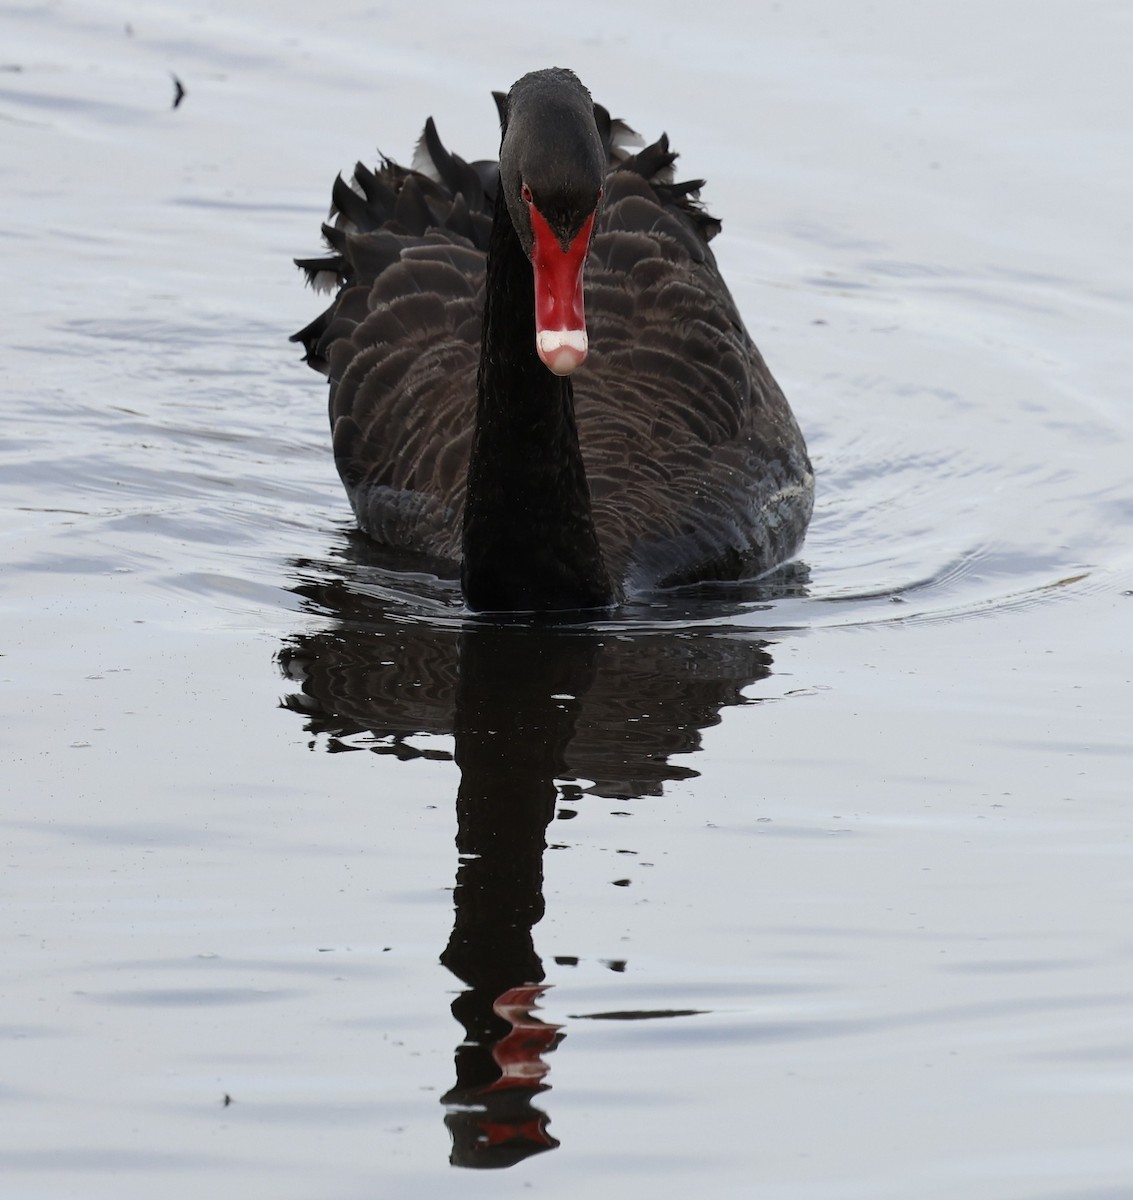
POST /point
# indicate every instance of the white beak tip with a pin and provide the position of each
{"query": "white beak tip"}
(562, 350)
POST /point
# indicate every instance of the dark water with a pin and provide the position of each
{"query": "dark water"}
(821, 888)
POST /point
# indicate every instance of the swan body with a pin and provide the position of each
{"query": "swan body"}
(538, 374)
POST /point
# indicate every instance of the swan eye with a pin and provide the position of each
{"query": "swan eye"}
(525, 192)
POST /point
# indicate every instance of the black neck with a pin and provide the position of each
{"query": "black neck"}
(529, 540)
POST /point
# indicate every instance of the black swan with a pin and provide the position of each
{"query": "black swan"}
(460, 351)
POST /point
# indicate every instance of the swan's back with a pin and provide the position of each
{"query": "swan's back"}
(696, 466)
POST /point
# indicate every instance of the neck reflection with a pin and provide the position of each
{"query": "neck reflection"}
(512, 724)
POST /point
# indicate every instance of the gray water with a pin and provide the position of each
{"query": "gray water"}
(820, 890)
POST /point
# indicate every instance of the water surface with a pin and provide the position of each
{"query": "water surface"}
(818, 889)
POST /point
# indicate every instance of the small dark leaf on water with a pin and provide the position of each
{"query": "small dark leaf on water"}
(178, 90)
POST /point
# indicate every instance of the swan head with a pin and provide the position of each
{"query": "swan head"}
(552, 167)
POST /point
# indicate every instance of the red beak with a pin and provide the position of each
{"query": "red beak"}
(560, 322)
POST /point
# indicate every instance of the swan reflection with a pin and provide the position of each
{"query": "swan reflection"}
(538, 714)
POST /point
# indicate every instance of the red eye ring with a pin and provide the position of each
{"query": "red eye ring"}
(525, 192)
